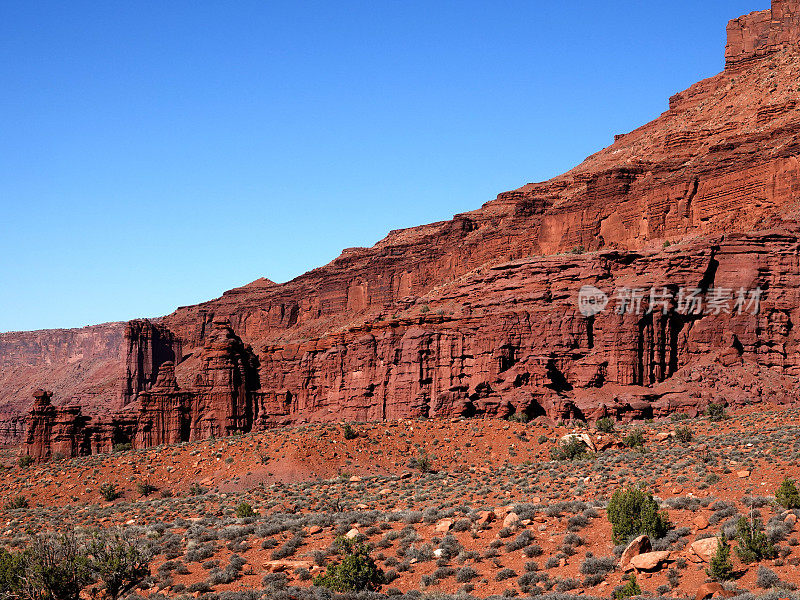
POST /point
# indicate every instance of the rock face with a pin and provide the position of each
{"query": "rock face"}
(685, 231)
(82, 366)
(760, 33)
(147, 346)
(222, 401)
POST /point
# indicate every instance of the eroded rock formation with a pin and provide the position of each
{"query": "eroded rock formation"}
(480, 315)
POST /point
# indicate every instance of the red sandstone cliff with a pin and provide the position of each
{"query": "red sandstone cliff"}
(478, 314)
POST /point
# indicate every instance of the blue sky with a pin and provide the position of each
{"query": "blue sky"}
(155, 154)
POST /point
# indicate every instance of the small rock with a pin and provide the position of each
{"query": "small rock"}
(355, 479)
(485, 516)
(352, 533)
(511, 520)
(743, 474)
(444, 526)
(700, 522)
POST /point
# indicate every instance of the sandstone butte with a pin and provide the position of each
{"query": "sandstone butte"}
(478, 315)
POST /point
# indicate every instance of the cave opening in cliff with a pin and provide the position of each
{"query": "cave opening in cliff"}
(534, 409)
(558, 381)
(186, 429)
(507, 358)
(120, 438)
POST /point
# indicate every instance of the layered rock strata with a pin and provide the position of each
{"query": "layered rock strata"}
(480, 315)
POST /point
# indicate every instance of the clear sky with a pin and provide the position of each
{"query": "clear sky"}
(155, 154)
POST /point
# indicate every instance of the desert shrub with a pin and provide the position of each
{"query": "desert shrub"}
(632, 512)
(523, 540)
(504, 574)
(201, 553)
(766, 578)
(145, 488)
(348, 432)
(635, 439)
(422, 463)
(465, 574)
(356, 572)
(196, 489)
(444, 572)
(715, 412)
(577, 522)
(122, 447)
(533, 550)
(25, 461)
(597, 565)
(605, 425)
(684, 433)
(58, 566)
(450, 547)
(721, 567)
(462, 525)
(119, 561)
(787, 494)
(198, 587)
(722, 510)
(244, 510)
(289, 547)
(573, 449)
(17, 502)
(753, 543)
(12, 570)
(630, 589)
(567, 584)
(109, 491)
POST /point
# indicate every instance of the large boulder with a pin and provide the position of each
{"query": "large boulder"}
(712, 589)
(702, 550)
(584, 438)
(638, 546)
(649, 561)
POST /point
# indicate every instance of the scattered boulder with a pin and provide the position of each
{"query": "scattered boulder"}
(649, 561)
(485, 516)
(581, 437)
(353, 533)
(280, 566)
(709, 590)
(511, 520)
(702, 550)
(638, 546)
(700, 522)
(444, 526)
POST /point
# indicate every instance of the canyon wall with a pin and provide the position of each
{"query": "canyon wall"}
(83, 366)
(479, 315)
(765, 32)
